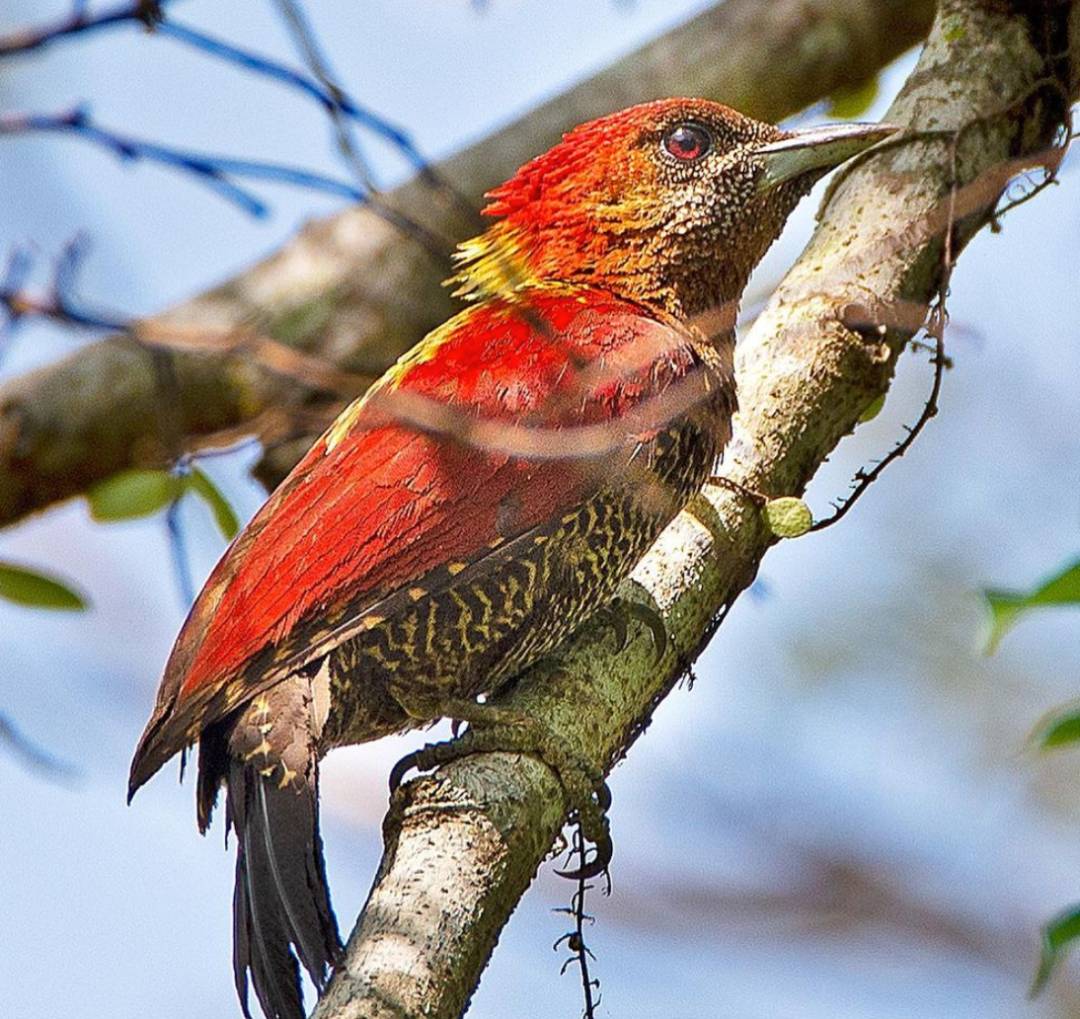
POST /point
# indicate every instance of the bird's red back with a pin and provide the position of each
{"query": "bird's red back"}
(507, 416)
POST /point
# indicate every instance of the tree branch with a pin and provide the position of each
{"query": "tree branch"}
(353, 291)
(81, 22)
(215, 172)
(992, 87)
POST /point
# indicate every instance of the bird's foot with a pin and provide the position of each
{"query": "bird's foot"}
(618, 613)
(494, 729)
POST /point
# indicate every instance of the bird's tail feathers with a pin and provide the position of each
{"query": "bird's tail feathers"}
(282, 916)
(281, 904)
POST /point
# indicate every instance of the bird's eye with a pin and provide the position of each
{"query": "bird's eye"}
(687, 142)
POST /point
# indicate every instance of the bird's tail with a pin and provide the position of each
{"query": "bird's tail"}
(281, 904)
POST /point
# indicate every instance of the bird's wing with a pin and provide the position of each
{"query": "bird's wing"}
(503, 418)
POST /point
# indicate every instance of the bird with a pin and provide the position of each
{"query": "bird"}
(487, 495)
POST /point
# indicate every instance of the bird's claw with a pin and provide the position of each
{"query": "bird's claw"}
(611, 616)
(460, 712)
(592, 816)
(588, 795)
(405, 765)
(596, 866)
(618, 613)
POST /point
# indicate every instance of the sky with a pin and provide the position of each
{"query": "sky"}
(842, 819)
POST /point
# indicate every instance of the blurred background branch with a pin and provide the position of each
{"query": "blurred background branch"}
(81, 22)
(216, 172)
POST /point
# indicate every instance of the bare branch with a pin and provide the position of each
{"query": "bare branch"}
(338, 109)
(216, 172)
(140, 12)
(60, 303)
(81, 22)
(329, 96)
(574, 940)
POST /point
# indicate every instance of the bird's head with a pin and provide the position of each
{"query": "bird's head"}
(670, 203)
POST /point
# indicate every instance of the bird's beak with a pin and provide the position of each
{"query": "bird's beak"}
(816, 150)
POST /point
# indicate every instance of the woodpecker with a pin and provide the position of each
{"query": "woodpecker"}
(486, 496)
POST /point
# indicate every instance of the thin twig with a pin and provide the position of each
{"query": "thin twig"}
(961, 202)
(311, 52)
(935, 329)
(322, 88)
(216, 172)
(339, 103)
(865, 478)
(19, 264)
(1050, 175)
(80, 22)
(575, 939)
(59, 303)
(327, 99)
(174, 527)
(759, 499)
(952, 137)
(276, 357)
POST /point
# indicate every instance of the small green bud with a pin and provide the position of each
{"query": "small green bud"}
(788, 517)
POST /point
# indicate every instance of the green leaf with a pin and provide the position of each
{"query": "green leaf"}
(849, 103)
(788, 517)
(1062, 588)
(1004, 610)
(1059, 729)
(25, 587)
(1057, 935)
(224, 516)
(133, 493)
(873, 409)
(141, 492)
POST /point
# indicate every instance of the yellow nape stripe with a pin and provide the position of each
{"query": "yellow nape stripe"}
(491, 265)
